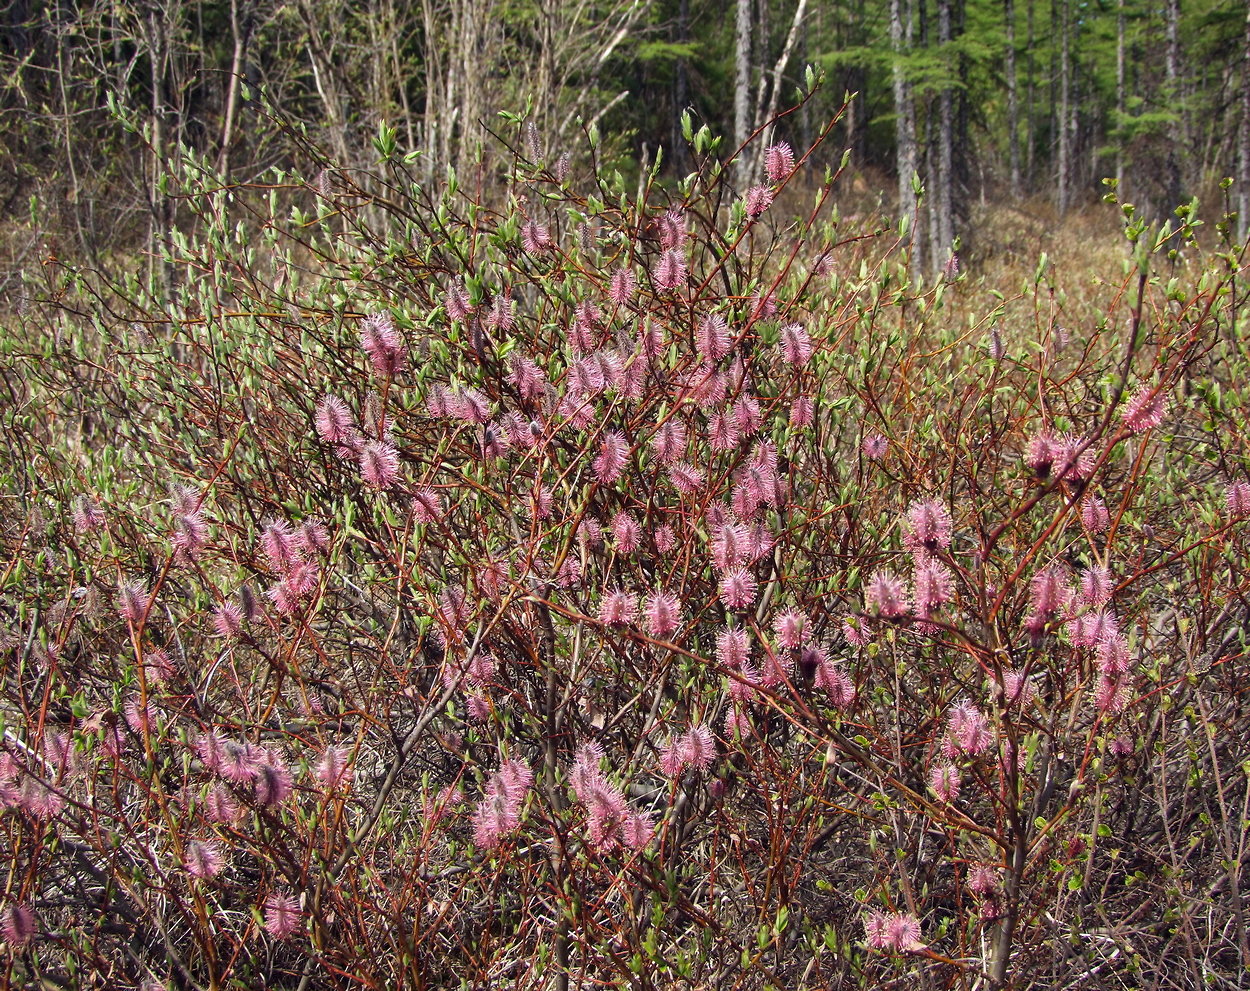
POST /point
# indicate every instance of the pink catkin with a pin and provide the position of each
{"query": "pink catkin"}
(1096, 586)
(669, 443)
(670, 273)
(627, 532)
(944, 780)
(282, 914)
(1145, 410)
(967, 731)
(730, 546)
(897, 932)
(927, 526)
(1094, 515)
(202, 859)
(778, 163)
(613, 455)
(87, 516)
(382, 343)
(334, 421)
(1237, 499)
(796, 345)
(802, 411)
(379, 464)
(499, 812)
(663, 614)
(17, 924)
(622, 287)
(618, 608)
(535, 238)
(757, 200)
(712, 338)
(886, 596)
(132, 601)
(791, 629)
(732, 648)
(738, 589)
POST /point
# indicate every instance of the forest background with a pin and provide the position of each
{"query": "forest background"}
(1009, 102)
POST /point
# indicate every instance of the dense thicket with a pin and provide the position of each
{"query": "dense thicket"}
(980, 98)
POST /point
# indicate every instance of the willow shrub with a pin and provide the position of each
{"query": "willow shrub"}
(525, 581)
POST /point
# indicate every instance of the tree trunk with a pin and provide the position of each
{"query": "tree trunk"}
(1121, 104)
(681, 88)
(1030, 75)
(742, 87)
(1175, 98)
(904, 127)
(1063, 111)
(1243, 158)
(240, 31)
(945, 172)
(1013, 107)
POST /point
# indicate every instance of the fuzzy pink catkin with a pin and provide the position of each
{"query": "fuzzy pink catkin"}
(535, 238)
(757, 200)
(875, 447)
(669, 443)
(613, 454)
(698, 748)
(732, 648)
(132, 601)
(220, 805)
(1048, 590)
(1237, 498)
(1095, 517)
(282, 914)
(738, 589)
(927, 525)
(791, 628)
(932, 583)
(228, 621)
(17, 924)
(663, 614)
(627, 532)
(856, 636)
(526, 377)
(382, 343)
(685, 478)
(379, 464)
(87, 515)
(202, 859)
(898, 932)
(886, 596)
(457, 301)
(1096, 586)
(796, 345)
(672, 230)
(802, 411)
(967, 731)
(1145, 410)
(712, 338)
(622, 287)
(1042, 452)
(670, 273)
(778, 162)
(499, 812)
(272, 782)
(944, 780)
(334, 421)
(747, 414)
(723, 432)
